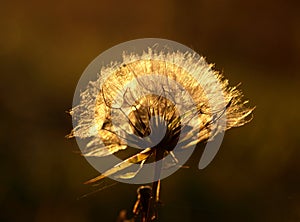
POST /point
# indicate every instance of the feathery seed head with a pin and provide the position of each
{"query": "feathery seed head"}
(158, 100)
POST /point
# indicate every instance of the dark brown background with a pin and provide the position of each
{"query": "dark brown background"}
(45, 46)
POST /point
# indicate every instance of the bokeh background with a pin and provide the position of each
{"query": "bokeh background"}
(46, 45)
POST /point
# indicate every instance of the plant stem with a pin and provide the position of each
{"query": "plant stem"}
(152, 210)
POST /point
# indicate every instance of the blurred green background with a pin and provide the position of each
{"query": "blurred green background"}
(46, 45)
